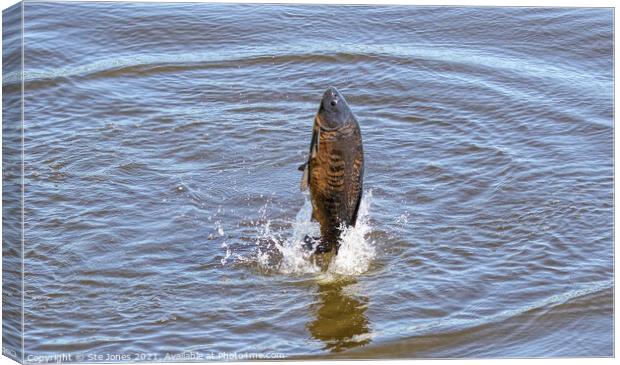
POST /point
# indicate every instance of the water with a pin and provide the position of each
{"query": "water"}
(163, 211)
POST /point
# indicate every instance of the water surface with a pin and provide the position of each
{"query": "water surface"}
(162, 193)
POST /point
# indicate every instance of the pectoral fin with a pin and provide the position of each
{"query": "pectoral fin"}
(316, 138)
(314, 150)
(304, 177)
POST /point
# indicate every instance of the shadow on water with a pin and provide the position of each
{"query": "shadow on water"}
(341, 321)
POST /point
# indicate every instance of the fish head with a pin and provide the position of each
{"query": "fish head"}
(334, 111)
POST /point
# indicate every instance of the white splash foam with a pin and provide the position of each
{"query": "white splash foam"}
(296, 259)
(354, 256)
(356, 252)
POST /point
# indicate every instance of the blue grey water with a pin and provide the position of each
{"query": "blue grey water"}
(161, 187)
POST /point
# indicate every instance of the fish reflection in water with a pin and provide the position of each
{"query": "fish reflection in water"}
(341, 321)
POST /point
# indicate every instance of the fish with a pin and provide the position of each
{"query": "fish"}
(334, 171)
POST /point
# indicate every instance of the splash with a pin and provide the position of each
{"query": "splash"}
(295, 259)
(283, 251)
(356, 252)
